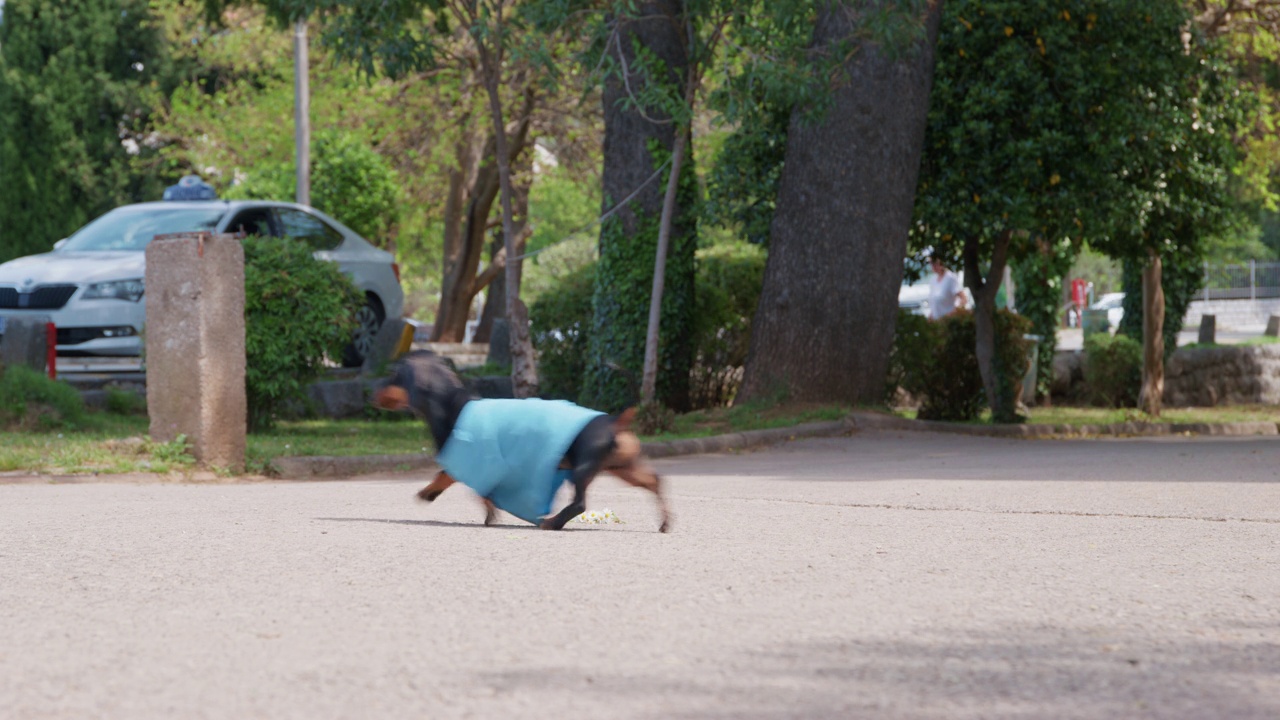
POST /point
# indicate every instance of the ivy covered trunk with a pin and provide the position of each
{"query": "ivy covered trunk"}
(1038, 279)
(636, 144)
(825, 322)
(1151, 397)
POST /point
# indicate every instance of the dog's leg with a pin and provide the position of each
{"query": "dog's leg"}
(585, 457)
(641, 475)
(440, 484)
(490, 512)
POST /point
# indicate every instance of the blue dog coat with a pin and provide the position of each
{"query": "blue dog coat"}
(509, 451)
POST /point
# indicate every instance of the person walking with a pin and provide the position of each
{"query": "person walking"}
(945, 290)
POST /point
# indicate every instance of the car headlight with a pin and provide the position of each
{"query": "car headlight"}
(130, 290)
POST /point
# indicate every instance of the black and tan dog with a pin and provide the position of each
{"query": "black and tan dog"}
(516, 453)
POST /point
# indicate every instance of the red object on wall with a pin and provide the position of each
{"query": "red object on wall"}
(1079, 292)
(51, 349)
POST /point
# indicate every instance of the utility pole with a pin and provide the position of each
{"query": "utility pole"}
(302, 111)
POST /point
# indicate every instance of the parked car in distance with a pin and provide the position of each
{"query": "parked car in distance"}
(1113, 304)
(91, 284)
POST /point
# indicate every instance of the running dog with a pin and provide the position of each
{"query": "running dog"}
(515, 454)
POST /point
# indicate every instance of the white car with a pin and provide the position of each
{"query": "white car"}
(1113, 303)
(91, 284)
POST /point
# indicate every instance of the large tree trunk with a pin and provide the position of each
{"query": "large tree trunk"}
(628, 240)
(827, 311)
(1151, 397)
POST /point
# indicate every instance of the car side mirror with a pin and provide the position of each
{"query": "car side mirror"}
(60, 243)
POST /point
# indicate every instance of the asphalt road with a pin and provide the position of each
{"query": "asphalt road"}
(877, 576)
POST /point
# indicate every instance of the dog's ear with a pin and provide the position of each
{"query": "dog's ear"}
(623, 422)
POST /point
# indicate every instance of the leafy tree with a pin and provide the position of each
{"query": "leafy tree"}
(349, 181)
(75, 80)
(1056, 120)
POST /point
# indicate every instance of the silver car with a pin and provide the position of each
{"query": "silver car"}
(91, 284)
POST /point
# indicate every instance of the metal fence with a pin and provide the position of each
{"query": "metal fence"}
(1253, 281)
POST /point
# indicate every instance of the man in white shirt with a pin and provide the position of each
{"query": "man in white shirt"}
(945, 290)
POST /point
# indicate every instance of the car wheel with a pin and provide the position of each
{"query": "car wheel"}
(369, 320)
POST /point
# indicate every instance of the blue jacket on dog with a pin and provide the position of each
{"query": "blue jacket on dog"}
(509, 451)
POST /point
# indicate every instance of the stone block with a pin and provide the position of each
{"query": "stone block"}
(1208, 330)
(25, 342)
(195, 345)
(338, 398)
(1273, 326)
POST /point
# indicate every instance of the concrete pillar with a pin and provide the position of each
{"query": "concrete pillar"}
(1208, 329)
(195, 344)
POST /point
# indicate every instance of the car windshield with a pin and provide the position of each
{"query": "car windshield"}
(131, 228)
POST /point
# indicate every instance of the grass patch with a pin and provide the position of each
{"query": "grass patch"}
(749, 416)
(104, 443)
(1106, 416)
(1251, 342)
(1077, 416)
(116, 444)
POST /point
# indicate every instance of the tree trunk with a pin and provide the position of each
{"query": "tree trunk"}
(649, 381)
(1152, 395)
(628, 239)
(827, 311)
(495, 302)
(473, 187)
(1001, 401)
(524, 375)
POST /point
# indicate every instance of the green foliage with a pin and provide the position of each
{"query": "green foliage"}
(624, 284)
(1038, 278)
(176, 452)
(123, 402)
(29, 400)
(75, 86)
(1113, 369)
(349, 181)
(560, 325)
(1181, 278)
(935, 361)
(298, 310)
(729, 280)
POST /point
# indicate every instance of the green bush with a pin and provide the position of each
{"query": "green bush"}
(727, 290)
(29, 400)
(349, 181)
(1113, 369)
(298, 310)
(560, 325)
(123, 402)
(728, 284)
(936, 362)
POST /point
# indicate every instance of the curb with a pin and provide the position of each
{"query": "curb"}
(330, 467)
(876, 421)
(324, 467)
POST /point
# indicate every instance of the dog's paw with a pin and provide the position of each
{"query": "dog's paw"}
(426, 494)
